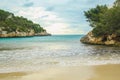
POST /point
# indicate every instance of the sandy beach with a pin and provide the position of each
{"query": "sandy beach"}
(95, 72)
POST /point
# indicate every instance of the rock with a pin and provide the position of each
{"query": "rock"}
(111, 42)
(90, 39)
(102, 40)
(22, 34)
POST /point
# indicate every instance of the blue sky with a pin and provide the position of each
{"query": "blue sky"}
(56, 16)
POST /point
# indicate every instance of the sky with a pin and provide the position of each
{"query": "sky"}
(56, 16)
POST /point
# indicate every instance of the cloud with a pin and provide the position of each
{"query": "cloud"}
(58, 28)
(50, 8)
(56, 16)
(28, 4)
(63, 28)
(38, 14)
(31, 12)
(49, 20)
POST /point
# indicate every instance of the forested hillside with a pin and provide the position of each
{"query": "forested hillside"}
(105, 21)
(11, 25)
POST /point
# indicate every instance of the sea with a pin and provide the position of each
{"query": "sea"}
(34, 53)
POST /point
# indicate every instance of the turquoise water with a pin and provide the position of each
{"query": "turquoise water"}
(33, 53)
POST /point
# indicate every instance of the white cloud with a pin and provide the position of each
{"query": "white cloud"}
(56, 16)
(63, 28)
(32, 12)
(47, 19)
(58, 28)
(51, 22)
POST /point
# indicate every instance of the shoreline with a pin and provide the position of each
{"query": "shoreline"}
(109, 40)
(23, 34)
(83, 72)
(26, 36)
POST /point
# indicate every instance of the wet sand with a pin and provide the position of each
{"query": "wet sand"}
(96, 72)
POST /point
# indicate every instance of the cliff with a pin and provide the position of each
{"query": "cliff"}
(15, 26)
(113, 39)
(22, 34)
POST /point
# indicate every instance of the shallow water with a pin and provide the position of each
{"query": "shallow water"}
(34, 53)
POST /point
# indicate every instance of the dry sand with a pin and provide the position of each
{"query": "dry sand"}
(96, 72)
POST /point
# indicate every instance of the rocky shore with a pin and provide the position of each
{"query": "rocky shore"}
(112, 40)
(15, 26)
(5, 34)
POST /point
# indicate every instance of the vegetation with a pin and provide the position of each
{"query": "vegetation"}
(10, 23)
(117, 3)
(104, 20)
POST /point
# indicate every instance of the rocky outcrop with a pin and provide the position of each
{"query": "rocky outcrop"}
(22, 34)
(102, 40)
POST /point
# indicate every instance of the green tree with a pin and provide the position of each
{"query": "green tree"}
(111, 21)
(117, 3)
(10, 23)
(105, 21)
(94, 15)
